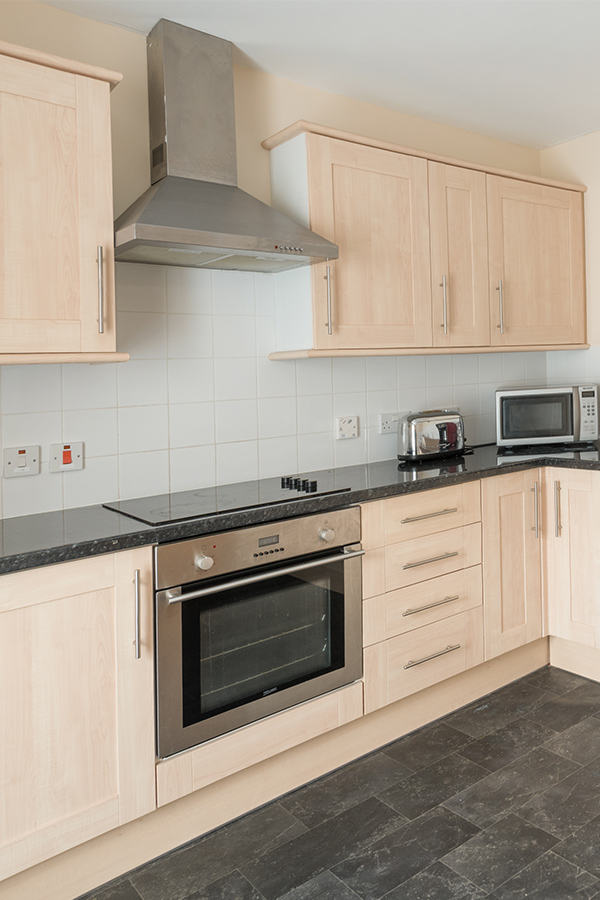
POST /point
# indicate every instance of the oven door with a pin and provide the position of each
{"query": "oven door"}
(545, 417)
(248, 645)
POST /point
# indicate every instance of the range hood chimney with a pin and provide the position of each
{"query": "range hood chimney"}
(194, 214)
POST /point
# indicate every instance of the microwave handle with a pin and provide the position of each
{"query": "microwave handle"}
(172, 596)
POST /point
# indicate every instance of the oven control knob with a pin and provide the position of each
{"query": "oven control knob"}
(327, 534)
(204, 562)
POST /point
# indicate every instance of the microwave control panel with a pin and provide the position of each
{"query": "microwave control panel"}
(588, 400)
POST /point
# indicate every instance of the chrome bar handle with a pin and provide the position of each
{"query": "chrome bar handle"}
(440, 512)
(501, 325)
(411, 612)
(557, 510)
(443, 286)
(328, 280)
(418, 662)
(423, 562)
(101, 290)
(174, 595)
(536, 526)
(137, 641)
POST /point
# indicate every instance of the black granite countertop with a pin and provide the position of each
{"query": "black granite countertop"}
(38, 540)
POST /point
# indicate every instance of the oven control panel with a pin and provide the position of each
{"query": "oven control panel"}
(208, 556)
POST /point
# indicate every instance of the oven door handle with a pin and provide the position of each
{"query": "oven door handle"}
(172, 596)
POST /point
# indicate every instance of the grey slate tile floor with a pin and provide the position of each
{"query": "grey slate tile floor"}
(500, 799)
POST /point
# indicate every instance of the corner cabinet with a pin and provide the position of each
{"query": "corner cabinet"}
(435, 255)
(77, 751)
(57, 301)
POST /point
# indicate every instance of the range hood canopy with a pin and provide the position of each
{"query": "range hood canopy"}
(194, 214)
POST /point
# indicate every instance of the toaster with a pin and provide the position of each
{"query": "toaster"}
(430, 433)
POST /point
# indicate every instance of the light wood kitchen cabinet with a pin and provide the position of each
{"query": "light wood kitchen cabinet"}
(537, 293)
(435, 255)
(510, 507)
(571, 562)
(57, 300)
(459, 258)
(77, 705)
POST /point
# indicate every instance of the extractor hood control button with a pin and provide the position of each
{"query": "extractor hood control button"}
(327, 534)
(204, 562)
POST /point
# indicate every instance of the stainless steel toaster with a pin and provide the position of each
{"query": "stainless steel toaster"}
(430, 433)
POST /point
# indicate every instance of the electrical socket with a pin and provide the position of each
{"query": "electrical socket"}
(347, 427)
(388, 422)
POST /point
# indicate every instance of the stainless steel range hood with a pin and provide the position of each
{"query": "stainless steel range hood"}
(194, 214)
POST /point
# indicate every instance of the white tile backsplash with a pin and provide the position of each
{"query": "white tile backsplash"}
(200, 403)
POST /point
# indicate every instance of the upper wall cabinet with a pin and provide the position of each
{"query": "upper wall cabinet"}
(57, 301)
(434, 256)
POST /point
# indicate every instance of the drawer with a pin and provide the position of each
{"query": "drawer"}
(408, 608)
(427, 557)
(429, 512)
(402, 665)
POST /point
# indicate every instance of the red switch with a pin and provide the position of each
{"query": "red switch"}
(66, 455)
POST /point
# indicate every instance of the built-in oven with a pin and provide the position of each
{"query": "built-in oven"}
(253, 621)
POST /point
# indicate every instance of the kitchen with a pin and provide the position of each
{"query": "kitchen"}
(229, 423)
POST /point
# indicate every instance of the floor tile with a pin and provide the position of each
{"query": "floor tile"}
(497, 710)
(402, 854)
(431, 786)
(198, 864)
(581, 742)
(343, 789)
(549, 878)
(122, 889)
(567, 710)
(324, 887)
(505, 790)
(571, 803)
(496, 854)
(504, 746)
(438, 882)
(582, 847)
(232, 887)
(426, 746)
(322, 847)
(555, 680)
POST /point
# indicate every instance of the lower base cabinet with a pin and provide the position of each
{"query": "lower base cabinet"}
(77, 705)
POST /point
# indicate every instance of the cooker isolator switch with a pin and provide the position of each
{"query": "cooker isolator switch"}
(327, 534)
(204, 562)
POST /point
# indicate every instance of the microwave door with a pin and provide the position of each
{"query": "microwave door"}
(540, 418)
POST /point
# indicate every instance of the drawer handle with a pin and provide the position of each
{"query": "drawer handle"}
(411, 612)
(417, 662)
(441, 512)
(424, 562)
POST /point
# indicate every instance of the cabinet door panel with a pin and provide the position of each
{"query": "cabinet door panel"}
(458, 223)
(536, 250)
(427, 557)
(373, 204)
(511, 561)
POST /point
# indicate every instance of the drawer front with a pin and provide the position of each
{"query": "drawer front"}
(429, 512)
(410, 562)
(408, 608)
(408, 663)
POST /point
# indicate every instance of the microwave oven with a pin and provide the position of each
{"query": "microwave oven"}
(546, 415)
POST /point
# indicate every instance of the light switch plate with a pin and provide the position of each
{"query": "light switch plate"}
(66, 457)
(347, 427)
(21, 461)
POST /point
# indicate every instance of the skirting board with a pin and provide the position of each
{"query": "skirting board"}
(577, 658)
(83, 868)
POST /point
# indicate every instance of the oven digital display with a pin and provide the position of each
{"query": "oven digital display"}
(267, 541)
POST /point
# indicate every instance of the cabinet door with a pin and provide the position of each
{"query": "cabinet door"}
(459, 259)
(536, 258)
(570, 552)
(373, 204)
(56, 210)
(77, 739)
(511, 561)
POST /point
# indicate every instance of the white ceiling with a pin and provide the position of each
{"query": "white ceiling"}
(526, 71)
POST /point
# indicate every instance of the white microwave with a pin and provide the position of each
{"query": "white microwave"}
(546, 415)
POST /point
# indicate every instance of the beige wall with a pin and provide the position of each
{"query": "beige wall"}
(264, 105)
(579, 161)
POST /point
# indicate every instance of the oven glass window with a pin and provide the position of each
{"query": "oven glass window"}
(245, 643)
(543, 416)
